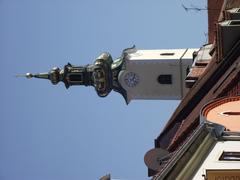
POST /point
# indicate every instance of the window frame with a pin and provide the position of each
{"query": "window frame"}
(230, 156)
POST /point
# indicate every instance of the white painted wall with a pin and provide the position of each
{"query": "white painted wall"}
(148, 65)
(212, 161)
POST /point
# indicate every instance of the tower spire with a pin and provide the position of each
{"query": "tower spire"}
(102, 75)
(54, 75)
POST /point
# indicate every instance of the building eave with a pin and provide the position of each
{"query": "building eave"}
(219, 79)
(191, 153)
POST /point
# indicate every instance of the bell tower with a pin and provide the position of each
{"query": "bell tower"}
(136, 74)
(156, 74)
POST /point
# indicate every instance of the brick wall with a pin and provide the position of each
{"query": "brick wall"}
(214, 9)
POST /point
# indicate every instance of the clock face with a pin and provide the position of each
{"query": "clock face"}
(131, 79)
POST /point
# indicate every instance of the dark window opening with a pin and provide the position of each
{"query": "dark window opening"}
(230, 156)
(165, 79)
(187, 70)
(231, 113)
(167, 54)
(235, 22)
(76, 78)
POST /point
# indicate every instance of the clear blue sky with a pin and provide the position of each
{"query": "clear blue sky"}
(50, 133)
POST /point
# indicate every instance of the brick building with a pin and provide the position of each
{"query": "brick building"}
(202, 138)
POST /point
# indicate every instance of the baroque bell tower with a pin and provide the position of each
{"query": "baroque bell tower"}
(136, 74)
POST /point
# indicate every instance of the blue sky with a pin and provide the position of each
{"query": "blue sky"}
(50, 133)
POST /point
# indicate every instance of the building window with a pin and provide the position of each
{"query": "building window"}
(235, 22)
(230, 113)
(230, 156)
(165, 79)
(167, 54)
(76, 78)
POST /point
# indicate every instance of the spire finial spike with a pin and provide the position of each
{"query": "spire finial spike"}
(27, 75)
(54, 75)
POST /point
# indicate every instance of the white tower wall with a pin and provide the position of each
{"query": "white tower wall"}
(145, 67)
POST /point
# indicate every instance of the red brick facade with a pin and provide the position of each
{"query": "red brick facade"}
(212, 78)
(214, 9)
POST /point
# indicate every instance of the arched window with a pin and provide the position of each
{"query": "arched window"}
(165, 79)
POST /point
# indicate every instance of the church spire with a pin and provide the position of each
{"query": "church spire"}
(136, 74)
(55, 75)
(102, 75)
(69, 75)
